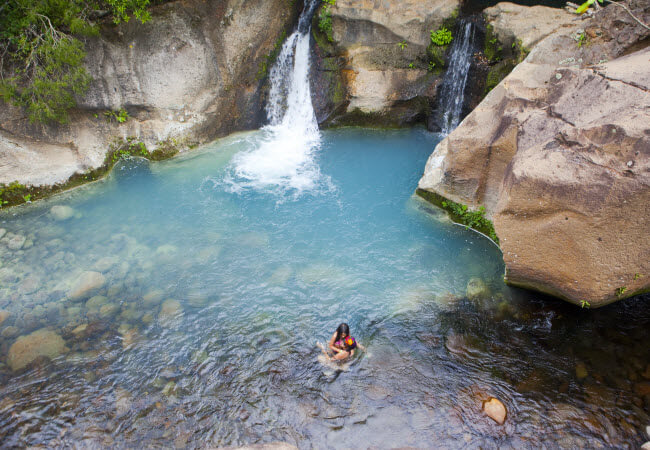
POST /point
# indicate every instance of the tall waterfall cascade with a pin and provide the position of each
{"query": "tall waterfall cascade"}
(452, 90)
(282, 159)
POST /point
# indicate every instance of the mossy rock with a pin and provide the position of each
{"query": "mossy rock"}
(437, 55)
(497, 73)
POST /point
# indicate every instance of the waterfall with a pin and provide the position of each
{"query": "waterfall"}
(454, 81)
(282, 160)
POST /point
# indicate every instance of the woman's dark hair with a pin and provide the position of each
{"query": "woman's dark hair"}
(343, 328)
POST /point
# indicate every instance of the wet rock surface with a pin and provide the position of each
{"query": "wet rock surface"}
(547, 153)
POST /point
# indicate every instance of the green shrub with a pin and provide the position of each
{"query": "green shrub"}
(40, 40)
(441, 37)
(325, 19)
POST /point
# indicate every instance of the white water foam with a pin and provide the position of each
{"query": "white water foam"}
(282, 157)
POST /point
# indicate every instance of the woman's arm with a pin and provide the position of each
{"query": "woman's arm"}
(331, 346)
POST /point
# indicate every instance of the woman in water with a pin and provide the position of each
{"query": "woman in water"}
(342, 344)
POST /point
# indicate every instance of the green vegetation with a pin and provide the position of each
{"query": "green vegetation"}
(581, 39)
(462, 214)
(402, 45)
(441, 37)
(637, 276)
(432, 66)
(411, 66)
(264, 66)
(325, 19)
(620, 291)
(42, 48)
(585, 304)
(130, 147)
(119, 116)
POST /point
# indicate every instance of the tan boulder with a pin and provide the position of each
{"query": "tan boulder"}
(495, 410)
(4, 315)
(528, 24)
(559, 155)
(27, 348)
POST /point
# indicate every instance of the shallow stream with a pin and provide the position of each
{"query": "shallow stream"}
(214, 291)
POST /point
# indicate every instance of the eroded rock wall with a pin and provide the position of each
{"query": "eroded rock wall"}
(375, 69)
(196, 71)
(559, 154)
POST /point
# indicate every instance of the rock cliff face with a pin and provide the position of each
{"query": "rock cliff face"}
(363, 74)
(559, 154)
(194, 72)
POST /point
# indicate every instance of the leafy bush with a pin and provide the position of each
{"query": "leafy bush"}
(41, 66)
(325, 19)
(441, 37)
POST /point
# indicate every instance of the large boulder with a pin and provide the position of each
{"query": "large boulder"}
(196, 71)
(559, 155)
(27, 348)
(375, 68)
(527, 24)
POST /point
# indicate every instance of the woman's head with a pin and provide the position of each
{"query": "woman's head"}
(342, 331)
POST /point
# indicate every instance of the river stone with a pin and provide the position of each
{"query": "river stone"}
(4, 314)
(30, 284)
(86, 284)
(154, 297)
(106, 263)
(123, 401)
(2, 232)
(495, 410)
(16, 242)
(80, 330)
(477, 289)
(169, 389)
(169, 310)
(109, 310)
(9, 332)
(646, 446)
(27, 348)
(96, 302)
(61, 212)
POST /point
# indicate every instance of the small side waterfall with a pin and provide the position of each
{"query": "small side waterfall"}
(452, 90)
(283, 159)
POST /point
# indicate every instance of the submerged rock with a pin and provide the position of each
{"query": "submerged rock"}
(27, 348)
(16, 242)
(170, 309)
(154, 297)
(495, 410)
(62, 212)
(4, 315)
(477, 289)
(86, 284)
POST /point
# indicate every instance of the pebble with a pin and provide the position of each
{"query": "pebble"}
(2, 232)
(581, 371)
(4, 314)
(646, 446)
(496, 410)
(9, 332)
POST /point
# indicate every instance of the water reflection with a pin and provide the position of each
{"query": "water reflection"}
(200, 325)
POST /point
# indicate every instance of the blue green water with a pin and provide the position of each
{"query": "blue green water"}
(216, 291)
